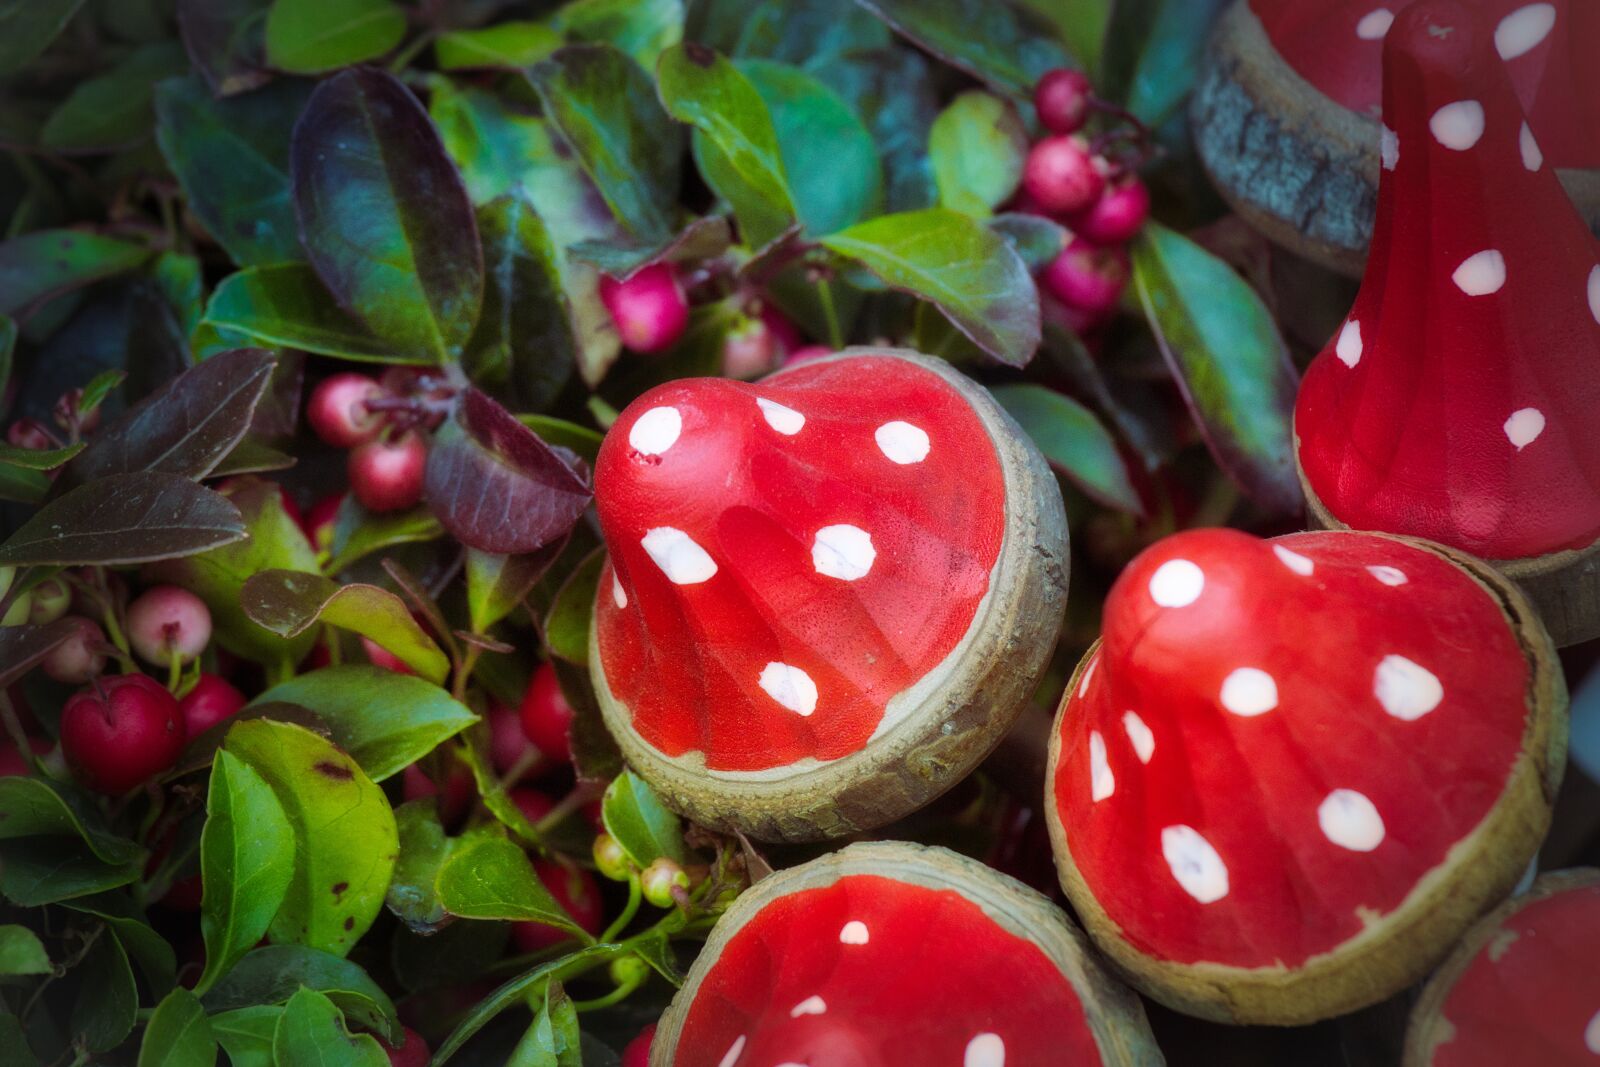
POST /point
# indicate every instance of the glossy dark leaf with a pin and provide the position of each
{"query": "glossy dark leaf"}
(526, 342)
(226, 42)
(510, 45)
(46, 263)
(566, 627)
(606, 108)
(312, 36)
(250, 456)
(107, 1004)
(642, 825)
(1038, 240)
(27, 27)
(495, 485)
(357, 533)
(1228, 359)
(290, 603)
(21, 952)
(312, 1030)
(8, 347)
(490, 878)
(1074, 442)
(1153, 50)
(21, 647)
(514, 991)
(553, 1038)
(809, 33)
(178, 1034)
(232, 158)
(14, 1049)
(977, 147)
(641, 28)
(424, 847)
(892, 89)
(126, 518)
(48, 870)
(595, 755)
(112, 110)
(1004, 45)
(384, 216)
(245, 1034)
(271, 974)
(704, 238)
(146, 948)
(30, 807)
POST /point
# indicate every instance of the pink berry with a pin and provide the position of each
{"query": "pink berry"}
(785, 332)
(338, 410)
(508, 744)
(1062, 176)
(122, 732)
(212, 700)
(637, 1054)
(1088, 277)
(578, 894)
(1117, 215)
(167, 621)
(1062, 99)
(749, 350)
(649, 308)
(546, 715)
(78, 658)
(379, 656)
(805, 352)
(459, 790)
(29, 434)
(412, 1051)
(387, 475)
(533, 804)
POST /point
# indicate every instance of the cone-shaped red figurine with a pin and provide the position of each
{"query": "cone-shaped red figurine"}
(1459, 400)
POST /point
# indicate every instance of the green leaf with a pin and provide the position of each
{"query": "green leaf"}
(809, 33)
(272, 974)
(290, 603)
(226, 40)
(231, 157)
(32, 806)
(245, 1034)
(559, 432)
(1001, 44)
(641, 28)
(112, 110)
(514, 991)
(344, 833)
(703, 238)
(552, 1040)
(46, 263)
(969, 272)
(143, 945)
(977, 147)
(566, 627)
(642, 825)
(8, 346)
(246, 860)
(509, 45)
(491, 878)
(424, 847)
(358, 533)
(385, 720)
(1153, 51)
(21, 952)
(27, 27)
(497, 584)
(14, 1050)
(107, 1004)
(606, 109)
(312, 1031)
(893, 90)
(47, 459)
(703, 89)
(178, 1034)
(1229, 361)
(1074, 442)
(22, 485)
(312, 36)
(288, 306)
(1038, 240)
(384, 216)
(47, 870)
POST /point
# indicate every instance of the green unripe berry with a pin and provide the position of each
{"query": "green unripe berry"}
(659, 878)
(610, 859)
(51, 599)
(18, 612)
(629, 970)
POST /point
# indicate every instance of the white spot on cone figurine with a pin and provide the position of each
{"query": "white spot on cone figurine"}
(892, 954)
(1471, 413)
(829, 592)
(1286, 797)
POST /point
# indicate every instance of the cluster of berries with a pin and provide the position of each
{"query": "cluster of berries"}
(381, 421)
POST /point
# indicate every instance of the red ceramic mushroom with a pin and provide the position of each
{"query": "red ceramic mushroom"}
(1458, 401)
(887, 954)
(829, 592)
(1523, 987)
(1294, 771)
(1286, 113)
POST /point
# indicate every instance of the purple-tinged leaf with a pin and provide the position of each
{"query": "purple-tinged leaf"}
(126, 518)
(226, 42)
(45, 263)
(23, 646)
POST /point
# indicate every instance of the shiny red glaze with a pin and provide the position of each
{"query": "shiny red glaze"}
(1337, 45)
(413, 1051)
(386, 475)
(649, 308)
(934, 974)
(546, 716)
(1395, 681)
(1061, 175)
(212, 700)
(1409, 420)
(637, 1054)
(337, 410)
(1062, 100)
(576, 891)
(688, 657)
(1117, 216)
(1087, 277)
(122, 732)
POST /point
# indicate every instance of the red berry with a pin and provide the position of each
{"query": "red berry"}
(459, 790)
(167, 621)
(379, 656)
(210, 701)
(749, 350)
(1087, 277)
(508, 744)
(123, 732)
(1117, 215)
(1062, 99)
(78, 658)
(319, 521)
(805, 352)
(29, 434)
(649, 309)
(637, 1054)
(387, 475)
(578, 894)
(786, 333)
(546, 715)
(1061, 175)
(533, 804)
(411, 1052)
(338, 410)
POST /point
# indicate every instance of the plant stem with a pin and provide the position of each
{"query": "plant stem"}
(629, 910)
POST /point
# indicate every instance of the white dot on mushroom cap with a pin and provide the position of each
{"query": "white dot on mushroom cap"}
(1102, 783)
(843, 552)
(1524, 30)
(1591, 1034)
(1389, 148)
(1374, 25)
(1481, 273)
(1350, 820)
(1139, 735)
(618, 597)
(812, 1005)
(680, 559)
(1524, 427)
(985, 1050)
(1532, 157)
(854, 933)
(1349, 347)
(786, 421)
(1594, 293)
(1294, 561)
(1406, 690)
(1194, 863)
(902, 442)
(1177, 583)
(790, 686)
(731, 1057)
(655, 431)
(1388, 575)
(1249, 691)
(1458, 126)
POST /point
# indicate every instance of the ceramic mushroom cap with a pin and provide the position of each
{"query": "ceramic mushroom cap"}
(1458, 400)
(1286, 113)
(1294, 771)
(1523, 987)
(883, 955)
(829, 592)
